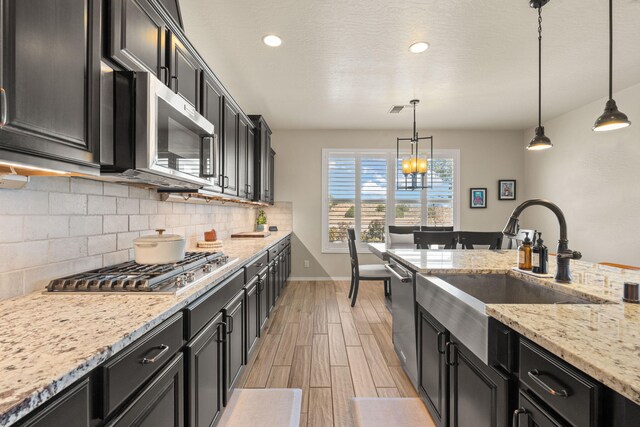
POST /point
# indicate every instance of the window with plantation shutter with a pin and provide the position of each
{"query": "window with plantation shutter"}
(360, 192)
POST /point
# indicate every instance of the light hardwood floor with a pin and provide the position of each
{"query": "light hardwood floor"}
(317, 342)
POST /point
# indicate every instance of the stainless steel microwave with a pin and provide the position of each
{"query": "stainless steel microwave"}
(159, 138)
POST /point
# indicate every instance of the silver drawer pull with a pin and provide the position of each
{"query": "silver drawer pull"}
(516, 415)
(534, 374)
(392, 269)
(163, 349)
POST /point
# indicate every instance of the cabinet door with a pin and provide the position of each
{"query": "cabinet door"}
(70, 409)
(234, 318)
(432, 367)
(230, 169)
(273, 284)
(251, 160)
(264, 297)
(211, 107)
(243, 131)
(160, 403)
(478, 394)
(185, 72)
(253, 315)
(265, 149)
(50, 83)
(137, 38)
(204, 367)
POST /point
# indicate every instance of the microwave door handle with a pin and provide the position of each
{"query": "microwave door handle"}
(210, 171)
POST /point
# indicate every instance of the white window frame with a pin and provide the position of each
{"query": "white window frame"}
(328, 247)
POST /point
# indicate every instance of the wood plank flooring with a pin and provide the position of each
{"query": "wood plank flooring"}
(317, 342)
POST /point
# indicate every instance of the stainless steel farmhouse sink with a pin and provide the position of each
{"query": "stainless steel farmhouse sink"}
(458, 302)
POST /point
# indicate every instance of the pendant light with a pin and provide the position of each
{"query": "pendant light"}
(414, 165)
(612, 118)
(540, 141)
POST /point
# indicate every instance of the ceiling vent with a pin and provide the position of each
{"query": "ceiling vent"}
(395, 109)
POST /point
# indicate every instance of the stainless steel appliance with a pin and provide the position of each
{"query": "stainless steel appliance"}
(197, 267)
(158, 136)
(403, 303)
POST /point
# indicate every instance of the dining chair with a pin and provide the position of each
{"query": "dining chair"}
(435, 228)
(401, 236)
(468, 239)
(426, 239)
(370, 272)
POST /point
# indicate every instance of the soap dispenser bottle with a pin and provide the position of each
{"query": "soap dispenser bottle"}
(540, 257)
(524, 254)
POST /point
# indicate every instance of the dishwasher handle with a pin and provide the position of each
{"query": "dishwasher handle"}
(391, 268)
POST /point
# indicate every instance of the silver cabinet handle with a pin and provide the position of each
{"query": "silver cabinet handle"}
(211, 140)
(534, 374)
(163, 349)
(164, 72)
(3, 107)
(403, 279)
(175, 78)
(516, 415)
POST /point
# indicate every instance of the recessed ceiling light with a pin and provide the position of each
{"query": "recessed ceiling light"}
(272, 40)
(418, 47)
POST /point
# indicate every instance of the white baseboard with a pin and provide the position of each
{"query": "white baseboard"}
(314, 279)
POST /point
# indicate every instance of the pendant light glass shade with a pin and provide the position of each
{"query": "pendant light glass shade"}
(412, 161)
(539, 141)
(612, 118)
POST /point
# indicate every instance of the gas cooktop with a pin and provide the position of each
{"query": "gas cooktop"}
(139, 278)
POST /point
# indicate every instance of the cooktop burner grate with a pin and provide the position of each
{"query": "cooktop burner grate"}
(130, 276)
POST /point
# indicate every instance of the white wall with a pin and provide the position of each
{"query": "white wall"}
(485, 156)
(593, 177)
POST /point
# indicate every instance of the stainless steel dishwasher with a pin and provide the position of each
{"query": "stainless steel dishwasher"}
(404, 319)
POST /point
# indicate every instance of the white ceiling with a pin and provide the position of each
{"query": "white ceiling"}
(343, 64)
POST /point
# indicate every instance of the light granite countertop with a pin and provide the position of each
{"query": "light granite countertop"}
(603, 340)
(48, 341)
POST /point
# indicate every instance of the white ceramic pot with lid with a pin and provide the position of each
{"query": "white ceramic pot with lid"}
(159, 248)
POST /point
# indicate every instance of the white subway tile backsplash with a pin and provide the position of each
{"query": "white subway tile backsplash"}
(128, 206)
(85, 225)
(102, 244)
(11, 228)
(115, 223)
(138, 222)
(102, 205)
(125, 240)
(17, 256)
(118, 190)
(59, 226)
(44, 227)
(66, 204)
(86, 186)
(66, 249)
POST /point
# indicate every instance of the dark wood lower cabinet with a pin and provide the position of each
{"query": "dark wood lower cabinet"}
(478, 394)
(273, 284)
(264, 297)
(160, 403)
(205, 373)
(234, 318)
(433, 371)
(253, 315)
(71, 409)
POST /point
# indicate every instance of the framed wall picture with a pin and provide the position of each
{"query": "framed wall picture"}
(478, 198)
(507, 189)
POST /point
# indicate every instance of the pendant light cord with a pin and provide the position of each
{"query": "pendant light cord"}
(610, 49)
(540, 66)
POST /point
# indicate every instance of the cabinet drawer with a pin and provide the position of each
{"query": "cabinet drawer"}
(282, 245)
(530, 414)
(569, 392)
(70, 409)
(273, 252)
(252, 270)
(123, 374)
(202, 311)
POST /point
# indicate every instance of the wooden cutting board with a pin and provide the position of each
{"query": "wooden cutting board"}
(251, 235)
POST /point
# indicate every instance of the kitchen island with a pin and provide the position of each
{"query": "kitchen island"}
(600, 338)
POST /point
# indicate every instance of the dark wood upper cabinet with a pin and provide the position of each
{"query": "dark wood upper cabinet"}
(243, 143)
(271, 174)
(173, 9)
(230, 149)
(262, 152)
(212, 107)
(50, 83)
(138, 37)
(251, 160)
(185, 71)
